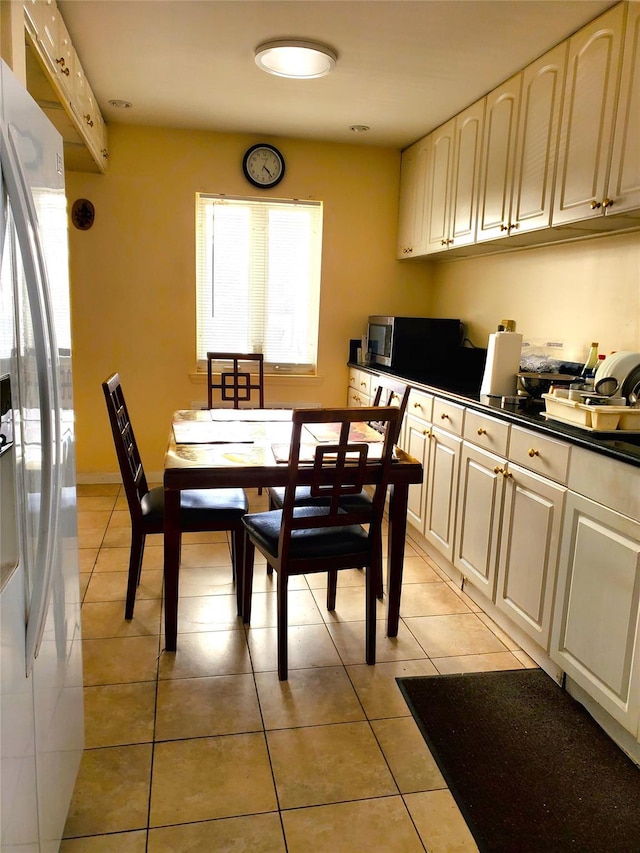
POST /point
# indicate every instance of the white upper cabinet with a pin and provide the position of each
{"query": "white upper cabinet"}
(439, 187)
(586, 131)
(498, 155)
(537, 144)
(452, 184)
(551, 154)
(55, 76)
(411, 215)
(624, 180)
(520, 150)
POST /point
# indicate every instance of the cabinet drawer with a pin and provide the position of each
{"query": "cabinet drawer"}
(360, 381)
(420, 405)
(486, 432)
(448, 416)
(539, 453)
(356, 398)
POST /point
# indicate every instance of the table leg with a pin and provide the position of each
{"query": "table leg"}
(171, 566)
(398, 500)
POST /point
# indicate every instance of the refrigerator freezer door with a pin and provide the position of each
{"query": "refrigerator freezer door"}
(34, 298)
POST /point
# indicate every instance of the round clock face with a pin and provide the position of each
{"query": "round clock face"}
(263, 165)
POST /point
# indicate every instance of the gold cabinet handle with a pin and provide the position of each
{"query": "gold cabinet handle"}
(444, 416)
(407, 251)
(88, 120)
(394, 396)
(61, 63)
(417, 405)
(105, 153)
(533, 452)
(363, 384)
(482, 431)
(607, 202)
(498, 470)
(595, 205)
(507, 474)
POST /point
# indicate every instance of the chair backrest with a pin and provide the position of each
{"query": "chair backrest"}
(391, 393)
(340, 468)
(131, 470)
(243, 383)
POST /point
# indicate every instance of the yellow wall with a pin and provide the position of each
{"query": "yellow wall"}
(133, 273)
(575, 293)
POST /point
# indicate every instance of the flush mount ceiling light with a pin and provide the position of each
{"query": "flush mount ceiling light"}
(121, 105)
(302, 60)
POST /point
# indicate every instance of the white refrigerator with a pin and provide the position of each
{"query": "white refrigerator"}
(41, 704)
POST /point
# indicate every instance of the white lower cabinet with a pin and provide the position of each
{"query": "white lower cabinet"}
(442, 490)
(480, 497)
(595, 635)
(529, 546)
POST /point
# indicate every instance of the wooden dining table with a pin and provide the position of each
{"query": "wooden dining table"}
(247, 448)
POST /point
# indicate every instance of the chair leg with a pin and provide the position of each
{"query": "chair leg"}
(332, 586)
(237, 550)
(283, 655)
(245, 586)
(371, 616)
(135, 571)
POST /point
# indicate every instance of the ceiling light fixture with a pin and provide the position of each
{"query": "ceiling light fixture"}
(302, 60)
(359, 128)
(121, 105)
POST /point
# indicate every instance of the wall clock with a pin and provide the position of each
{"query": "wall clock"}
(263, 165)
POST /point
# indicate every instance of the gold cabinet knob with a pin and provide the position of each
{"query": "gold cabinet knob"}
(444, 416)
(498, 470)
(507, 474)
(364, 384)
(607, 202)
(417, 405)
(88, 120)
(482, 431)
(533, 452)
(595, 205)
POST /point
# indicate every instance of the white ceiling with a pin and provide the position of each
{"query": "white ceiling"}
(404, 66)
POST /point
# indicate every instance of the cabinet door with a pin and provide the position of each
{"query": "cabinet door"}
(529, 547)
(442, 491)
(439, 187)
(411, 215)
(595, 635)
(480, 496)
(466, 175)
(624, 181)
(498, 154)
(586, 131)
(537, 143)
(416, 443)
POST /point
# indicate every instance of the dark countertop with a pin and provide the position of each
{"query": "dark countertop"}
(618, 445)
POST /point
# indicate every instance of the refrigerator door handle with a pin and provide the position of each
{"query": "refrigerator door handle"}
(26, 226)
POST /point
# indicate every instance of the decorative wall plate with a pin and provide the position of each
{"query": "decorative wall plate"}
(82, 214)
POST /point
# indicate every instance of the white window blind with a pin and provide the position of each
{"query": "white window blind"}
(258, 279)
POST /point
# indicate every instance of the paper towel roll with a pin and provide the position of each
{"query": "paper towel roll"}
(503, 363)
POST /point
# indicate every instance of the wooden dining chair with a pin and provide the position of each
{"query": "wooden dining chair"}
(200, 509)
(388, 393)
(242, 384)
(334, 535)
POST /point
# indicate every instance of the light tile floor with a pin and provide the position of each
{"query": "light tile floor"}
(206, 750)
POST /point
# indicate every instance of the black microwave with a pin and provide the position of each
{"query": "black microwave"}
(404, 343)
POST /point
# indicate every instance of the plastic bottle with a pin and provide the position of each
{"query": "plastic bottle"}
(591, 363)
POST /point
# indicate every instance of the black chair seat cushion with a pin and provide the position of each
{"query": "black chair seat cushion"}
(264, 528)
(196, 503)
(303, 498)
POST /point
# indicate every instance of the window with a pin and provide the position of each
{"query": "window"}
(258, 279)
